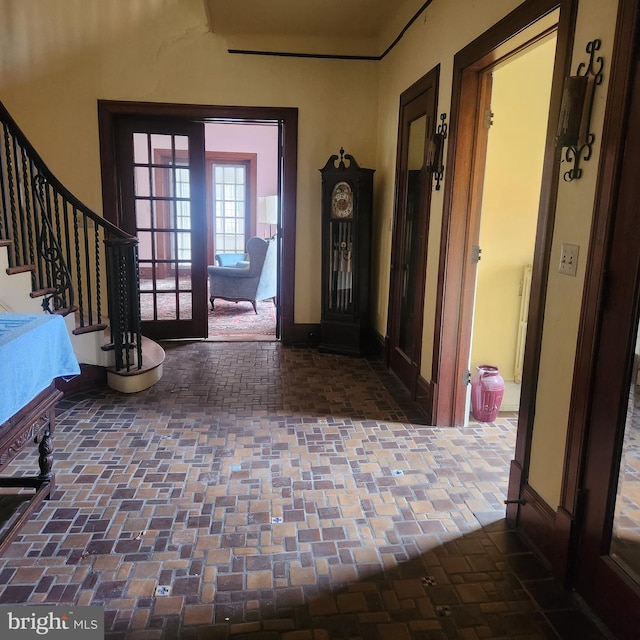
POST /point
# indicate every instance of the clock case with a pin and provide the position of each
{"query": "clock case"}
(346, 259)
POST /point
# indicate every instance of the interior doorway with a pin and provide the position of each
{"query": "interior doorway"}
(530, 24)
(227, 209)
(242, 178)
(515, 107)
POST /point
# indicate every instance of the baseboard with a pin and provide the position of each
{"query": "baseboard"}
(379, 345)
(424, 398)
(546, 531)
(304, 335)
(565, 547)
(308, 335)
(513, 492)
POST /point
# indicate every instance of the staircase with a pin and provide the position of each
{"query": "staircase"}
(52, 255)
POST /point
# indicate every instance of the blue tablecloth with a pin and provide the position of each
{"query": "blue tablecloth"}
(34, 350)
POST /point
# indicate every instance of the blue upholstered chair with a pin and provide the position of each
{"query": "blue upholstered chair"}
(251, 279)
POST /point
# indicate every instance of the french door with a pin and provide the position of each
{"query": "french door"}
(162, 187)
(408, 263)
(607, 565)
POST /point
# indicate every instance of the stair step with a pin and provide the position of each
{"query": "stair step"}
(89, 339)
(65, 311)
(39, 293)
(90, 328)
(111, 347)
(139, 379)
(23, 269)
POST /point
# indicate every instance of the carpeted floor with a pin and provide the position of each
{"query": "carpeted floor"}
(228, 321)
(237, 321)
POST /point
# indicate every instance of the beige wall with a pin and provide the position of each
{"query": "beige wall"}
(447, 28)
(444, 29)
(58, 57)
(596, 19)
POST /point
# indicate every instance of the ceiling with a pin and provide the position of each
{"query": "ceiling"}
(322, 27)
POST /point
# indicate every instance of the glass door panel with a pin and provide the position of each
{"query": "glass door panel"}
(411, 225)
(340, 280)
(607, 552)
(410, 247)
(625, 539)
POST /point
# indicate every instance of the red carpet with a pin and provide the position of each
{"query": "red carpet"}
(237, 321)
(228, 320)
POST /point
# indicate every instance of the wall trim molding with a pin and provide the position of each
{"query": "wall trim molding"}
(331, 56)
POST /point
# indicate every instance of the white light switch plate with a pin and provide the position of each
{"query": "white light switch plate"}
(569, 259)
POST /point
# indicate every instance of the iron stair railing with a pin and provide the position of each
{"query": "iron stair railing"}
(79, 262)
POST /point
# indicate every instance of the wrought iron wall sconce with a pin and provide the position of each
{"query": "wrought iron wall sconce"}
(435, 151)
(574, 128)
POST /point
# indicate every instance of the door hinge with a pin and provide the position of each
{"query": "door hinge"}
(466, 377)
(475, 254)
(487, 121)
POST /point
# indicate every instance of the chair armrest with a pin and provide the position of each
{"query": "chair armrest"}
(229, 272)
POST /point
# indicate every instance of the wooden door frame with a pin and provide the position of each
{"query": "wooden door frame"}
(430, 81)
(594, 435)
(517, 30)
(110, 110)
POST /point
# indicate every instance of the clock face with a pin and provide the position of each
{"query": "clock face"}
(342, 201)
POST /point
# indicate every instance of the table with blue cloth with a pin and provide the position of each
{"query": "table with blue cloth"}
(35, 350)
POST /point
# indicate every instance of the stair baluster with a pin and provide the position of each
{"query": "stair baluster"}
(63, 244)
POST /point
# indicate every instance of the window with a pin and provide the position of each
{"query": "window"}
(229, 188)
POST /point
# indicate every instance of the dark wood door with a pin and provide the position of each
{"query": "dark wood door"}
(607, 566)
(160, 168)
(418, 107)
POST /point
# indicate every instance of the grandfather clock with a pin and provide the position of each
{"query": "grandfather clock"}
(347, 191)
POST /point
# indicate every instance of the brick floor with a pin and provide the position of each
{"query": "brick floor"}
(282, 494)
